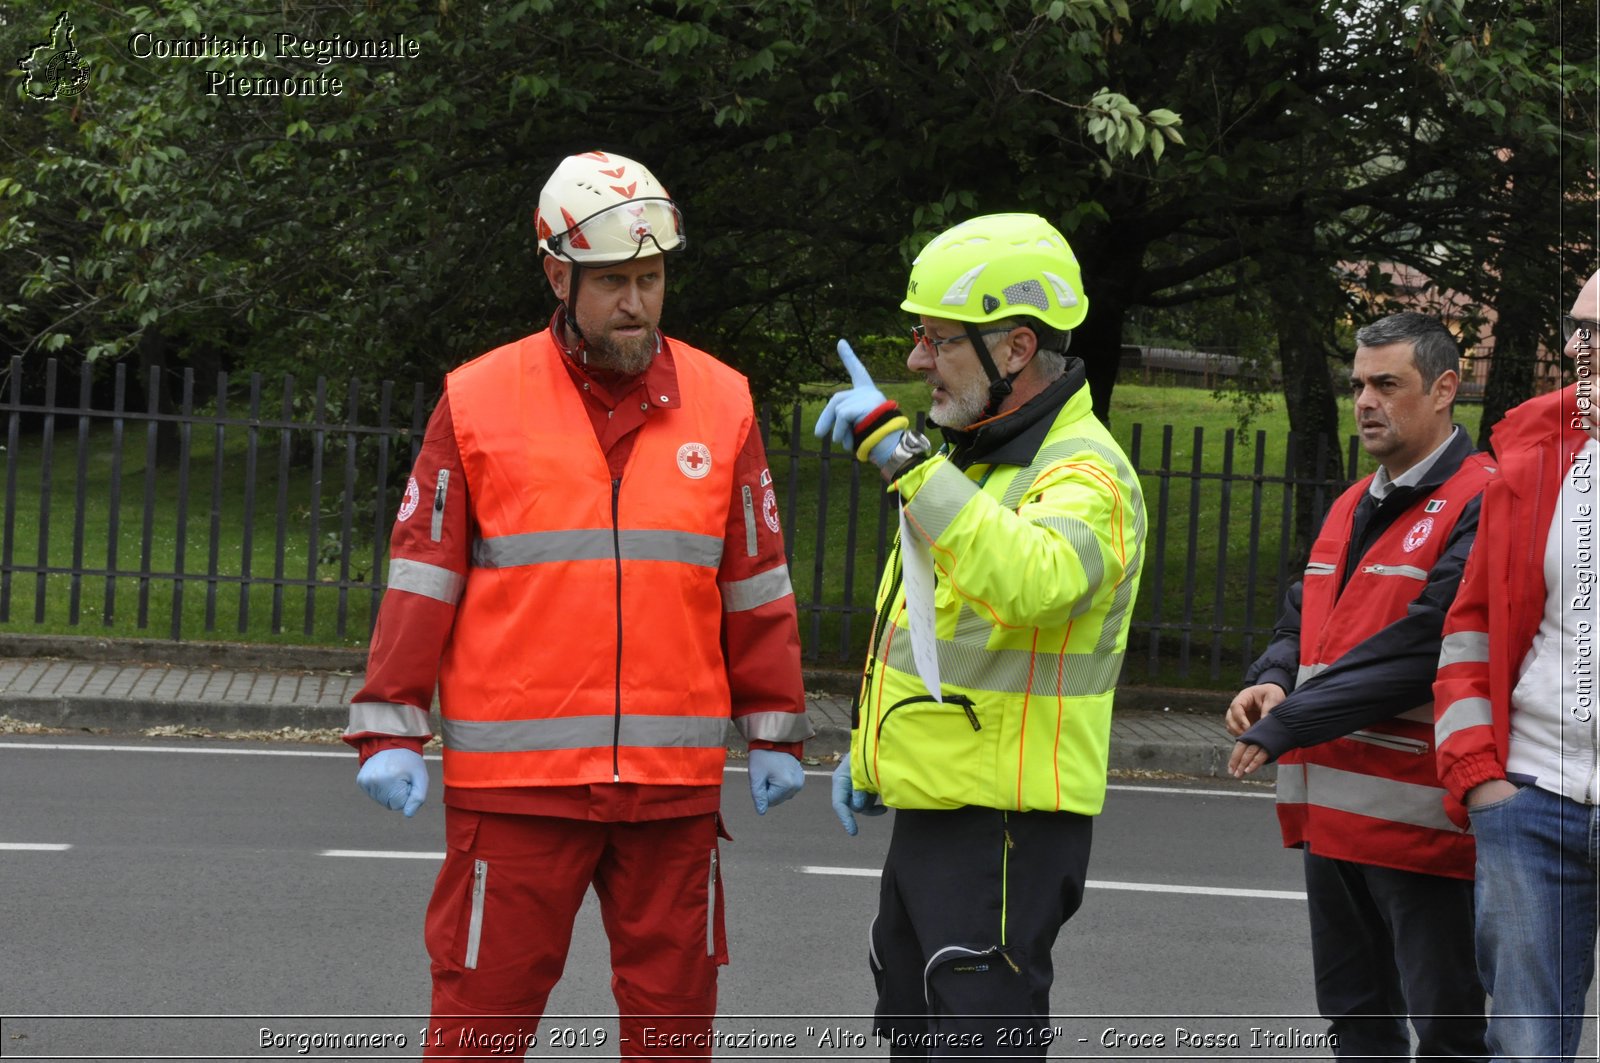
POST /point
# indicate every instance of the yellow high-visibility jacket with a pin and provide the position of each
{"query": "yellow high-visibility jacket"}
(1036, 569)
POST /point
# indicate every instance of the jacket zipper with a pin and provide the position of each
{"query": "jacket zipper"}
(438, 504)
(616, 553)
(480, 887)
(865, 690)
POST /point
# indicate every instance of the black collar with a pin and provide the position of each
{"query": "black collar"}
(1014, 438)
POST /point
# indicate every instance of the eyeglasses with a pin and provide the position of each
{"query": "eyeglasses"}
(1570, 324)
(919, 334)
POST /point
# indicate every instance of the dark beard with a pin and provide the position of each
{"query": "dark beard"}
(629, 359)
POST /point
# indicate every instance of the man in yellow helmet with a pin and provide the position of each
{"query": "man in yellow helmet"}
(984, 715)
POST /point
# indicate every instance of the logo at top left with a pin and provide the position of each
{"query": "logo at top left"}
(55, 68)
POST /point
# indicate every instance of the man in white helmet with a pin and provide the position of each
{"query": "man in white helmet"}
(588, 564)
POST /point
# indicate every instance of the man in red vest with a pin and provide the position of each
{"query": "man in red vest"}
(1342, 698)
(588, 564)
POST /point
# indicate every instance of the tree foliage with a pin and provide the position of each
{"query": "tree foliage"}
(1192, 150)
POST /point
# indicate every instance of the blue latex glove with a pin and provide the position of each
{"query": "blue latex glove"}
(774, 778)
(847, 407)
(395, 778)
(849, 802)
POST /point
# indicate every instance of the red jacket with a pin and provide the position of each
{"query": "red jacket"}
(433, 571)
(1373, 796)
(1496, 615)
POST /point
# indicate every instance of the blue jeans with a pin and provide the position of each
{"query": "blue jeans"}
(1536, 897)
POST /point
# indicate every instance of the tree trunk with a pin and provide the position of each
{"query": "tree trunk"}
(1301, 312)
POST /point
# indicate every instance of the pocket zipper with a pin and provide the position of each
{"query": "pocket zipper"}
(480, 886)
(438, 504)
(960, 950)
(1395, 742)
(950, 699)
(711, 907)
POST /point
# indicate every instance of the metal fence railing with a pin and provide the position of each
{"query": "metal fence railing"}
(239, 511)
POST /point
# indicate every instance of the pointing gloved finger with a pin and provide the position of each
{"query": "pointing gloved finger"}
(859, 377)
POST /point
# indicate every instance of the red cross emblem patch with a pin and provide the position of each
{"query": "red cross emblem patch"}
(1418, 534)
(694, 460)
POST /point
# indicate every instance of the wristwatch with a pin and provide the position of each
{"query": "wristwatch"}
(912, 448)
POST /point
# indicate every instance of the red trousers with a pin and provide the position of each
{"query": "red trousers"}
(501, 917)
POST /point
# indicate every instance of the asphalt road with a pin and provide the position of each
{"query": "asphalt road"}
(191, 894)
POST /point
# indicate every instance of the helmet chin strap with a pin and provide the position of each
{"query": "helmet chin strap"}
(582, 346)
(999, 384)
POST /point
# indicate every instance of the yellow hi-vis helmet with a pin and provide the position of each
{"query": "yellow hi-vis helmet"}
(998, 266)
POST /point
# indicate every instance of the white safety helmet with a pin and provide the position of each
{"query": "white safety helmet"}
(599, 209)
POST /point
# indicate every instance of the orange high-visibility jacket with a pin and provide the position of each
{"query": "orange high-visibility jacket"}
(1374, 796)
(587, 643)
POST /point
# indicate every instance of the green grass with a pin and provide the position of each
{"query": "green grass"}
(205, 608)
(1194, 577)
(1203, 532)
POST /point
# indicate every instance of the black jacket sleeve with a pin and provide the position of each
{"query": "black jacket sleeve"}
(1280, 663)
(1382, 676)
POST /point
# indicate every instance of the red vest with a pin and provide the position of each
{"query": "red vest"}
(587, 644)
(1374, 796)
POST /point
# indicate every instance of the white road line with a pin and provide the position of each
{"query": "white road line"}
(382, 854)
(856, 872)
(43, 847)
(1137, 887)
(347, 754)
(1195, 791)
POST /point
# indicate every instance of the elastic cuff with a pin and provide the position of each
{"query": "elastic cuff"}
(870, 421)
(899, 424)
(868, 426)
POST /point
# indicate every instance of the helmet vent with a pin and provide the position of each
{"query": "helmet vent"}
(962, 288)
(1065, 296)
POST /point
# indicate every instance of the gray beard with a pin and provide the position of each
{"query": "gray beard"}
(959, 411)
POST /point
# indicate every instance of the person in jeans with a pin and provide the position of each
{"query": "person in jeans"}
(1517, 709)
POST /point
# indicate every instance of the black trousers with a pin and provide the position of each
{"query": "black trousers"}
(1388, 944)
(971, 902)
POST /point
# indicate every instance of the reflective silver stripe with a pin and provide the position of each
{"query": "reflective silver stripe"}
(386, 718)
(1409, 571)
(1010, 671)
(1291, 787)
(1464, 647)
(763, 587)
(1307, 671)
(590, 544)
(942, 496)
(774, 726)
(1462, 714)
(1086, 547)
(750, 546)
(584, 732)
(430, 581)
(1367, 795)
(1319, 568)
(480, 889)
